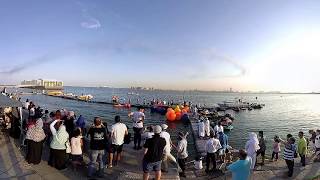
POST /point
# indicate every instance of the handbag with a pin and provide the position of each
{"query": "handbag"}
(68, 147)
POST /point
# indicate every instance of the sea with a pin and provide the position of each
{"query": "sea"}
(281, 115)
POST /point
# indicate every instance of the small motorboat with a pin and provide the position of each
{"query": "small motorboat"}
(122, 105)
(87, 97)
(227, 123)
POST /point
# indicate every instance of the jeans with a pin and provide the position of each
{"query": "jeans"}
(290, 164)
(303, 159)
(137, 136)
(95, 155)
(211, 157)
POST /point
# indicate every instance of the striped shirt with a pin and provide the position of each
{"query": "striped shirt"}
(288, 153)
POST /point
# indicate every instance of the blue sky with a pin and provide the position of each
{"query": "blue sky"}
(189, 44)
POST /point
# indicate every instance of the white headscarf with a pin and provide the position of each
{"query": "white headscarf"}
(36, 132)
(252, 144)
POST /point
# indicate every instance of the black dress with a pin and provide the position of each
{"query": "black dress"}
(34, 152)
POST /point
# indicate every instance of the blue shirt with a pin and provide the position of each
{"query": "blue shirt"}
(240, 169)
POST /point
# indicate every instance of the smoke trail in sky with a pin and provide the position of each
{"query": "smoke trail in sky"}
(199, 68)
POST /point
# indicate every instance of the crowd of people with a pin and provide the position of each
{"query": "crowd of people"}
(65, 136)
(218, 150)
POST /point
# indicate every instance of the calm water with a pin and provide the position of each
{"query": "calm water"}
(283, 113)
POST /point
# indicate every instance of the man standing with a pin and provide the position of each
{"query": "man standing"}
(302, 148)
(262, 145)
(182, 152)
(153, 153)
(138, 119)
(211, 148)
(218, 128)
(224, 141)
(118, 131)
(167, 149)
(98, 137)
(241, 168)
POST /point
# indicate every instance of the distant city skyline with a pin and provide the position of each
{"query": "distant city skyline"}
(206, 45)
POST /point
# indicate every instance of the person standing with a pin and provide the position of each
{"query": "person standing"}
(138, 119)
(98, 137)
(26, 104)
(58, 146)
(302, 148)
(167, 149)
(35, 137)
(118, 131)
(288, 154)
(207, 127)
(76, 144)
(276, 148)
(317, 145)
(69, 122)
(201, 130)
(224, 141)
(182, 150)
(211, 147)
(153, 153)
(218, 128)
(252, 146)
(262, 145)
(241, 168)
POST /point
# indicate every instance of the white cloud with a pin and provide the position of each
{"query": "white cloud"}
(91, 23)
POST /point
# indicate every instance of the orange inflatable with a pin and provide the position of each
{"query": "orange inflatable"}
(169, 109)
(171, 116)
(184, 111)
(178, 115)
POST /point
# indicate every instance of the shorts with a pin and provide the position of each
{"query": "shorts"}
(154, 166)
(78, 158)
(261, 152)
(115, 148)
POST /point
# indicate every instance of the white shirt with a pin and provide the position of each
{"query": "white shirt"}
(198, 165)
(76, 146)
(137, 119)
(212, 145)
(118, 131)
(317, 141)
(32, 111)
(207, 125)
(182, 149)
(26, 105)
(167, 137)
(201, 129)
(147, 135)
(218, 129)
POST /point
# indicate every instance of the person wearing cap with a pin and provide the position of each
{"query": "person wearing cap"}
(138, 119)
(167, 149)
(153, 151)
(182, 150)
(211, 148)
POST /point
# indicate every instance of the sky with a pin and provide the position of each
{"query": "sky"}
(252, 45)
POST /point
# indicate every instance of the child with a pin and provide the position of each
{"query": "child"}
(201, 129)
(198, 163)
(148, 133)
(276, 148)
(76, 148)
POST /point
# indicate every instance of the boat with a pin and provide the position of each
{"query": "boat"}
(87, 97)
(227, 123)
(54, 93)
(122, 105)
